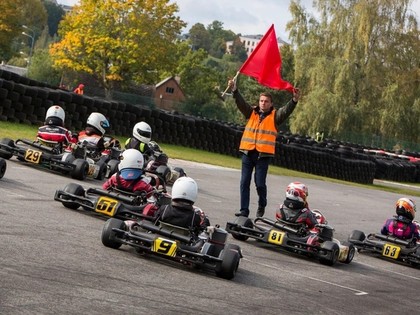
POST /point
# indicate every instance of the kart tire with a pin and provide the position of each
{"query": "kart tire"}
(242, 221)
(81, 169)
(329, 253)
(74, 189)
(3, 167)
(112, 167)
(108, 235)
(102, 170)
(10, 143)
(180, 171)
(357, 235)
(351, 253)
(227, 268)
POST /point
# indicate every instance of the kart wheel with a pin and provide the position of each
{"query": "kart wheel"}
(180, 171)
(112, 167)
(3, 166)
(242, 221)
(10, 143)
(356, 235)
(351, 253)
(329, 253)
(229, 265)
(74, 189)
(102, 171)
(108, 235)
(81, 170)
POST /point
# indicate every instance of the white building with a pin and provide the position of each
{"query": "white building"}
(250, 42)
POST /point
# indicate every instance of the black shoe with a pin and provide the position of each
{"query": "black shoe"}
(241, 214)
(260, 212)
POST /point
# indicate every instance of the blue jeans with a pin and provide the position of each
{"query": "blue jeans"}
(252, 162)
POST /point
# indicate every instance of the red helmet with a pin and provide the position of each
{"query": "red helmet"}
(297, 191)
(406, 208)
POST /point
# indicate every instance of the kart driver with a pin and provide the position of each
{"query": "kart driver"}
(142, 134)
(130, 176)
(53, 132)
(181, 212)
(295, 208)
(402, 225)
(94, 132)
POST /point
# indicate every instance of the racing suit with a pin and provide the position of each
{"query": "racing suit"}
(54, 135)
(401, 227)
(184, 215)
(132, 186)
(144, 148)
(293, 212)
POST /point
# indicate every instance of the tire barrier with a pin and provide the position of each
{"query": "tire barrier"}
(27, 103)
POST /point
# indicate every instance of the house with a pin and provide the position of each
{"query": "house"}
(168, 93)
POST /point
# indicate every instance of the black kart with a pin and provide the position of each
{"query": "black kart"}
(293, 238)
(388, 247)
(115, 204)
(3, 166)
(37, 153)
(176, 244)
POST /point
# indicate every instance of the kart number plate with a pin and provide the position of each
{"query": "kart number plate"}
(33, 156)
(164, 247)
(391, 251)
(276, 237)
(107, 206)
(91, 170)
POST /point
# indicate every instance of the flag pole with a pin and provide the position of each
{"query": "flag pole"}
(234, 79)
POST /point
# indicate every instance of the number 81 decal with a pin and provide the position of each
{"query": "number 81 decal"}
(165, 247)
(275, 237)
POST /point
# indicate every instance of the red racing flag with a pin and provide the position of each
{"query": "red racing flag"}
(264, 63)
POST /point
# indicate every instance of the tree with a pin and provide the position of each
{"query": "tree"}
(199, 37)
(41, 68)
(358, 66)
(55, 15)
(119, 41)
(14, 14)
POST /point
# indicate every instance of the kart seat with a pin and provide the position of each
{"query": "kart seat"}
(48, 143)
(175, 228)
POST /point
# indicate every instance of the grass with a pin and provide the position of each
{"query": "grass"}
(15, 131)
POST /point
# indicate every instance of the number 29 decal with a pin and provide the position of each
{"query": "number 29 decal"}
(33, 156)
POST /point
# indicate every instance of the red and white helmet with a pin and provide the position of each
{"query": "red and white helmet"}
(297, 191)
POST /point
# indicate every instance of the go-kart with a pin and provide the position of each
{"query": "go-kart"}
(387, 246)
(157, 162)
(38, 153)
(101, 163)
(3, 167)
(317, 243)
(177, 244)
(114, 203)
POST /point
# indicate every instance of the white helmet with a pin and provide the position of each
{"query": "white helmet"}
(142, 132)
(185, 188)
(131, 158)
(98, 121)
(55, 116)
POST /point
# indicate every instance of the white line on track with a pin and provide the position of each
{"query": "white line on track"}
(10, 193)
(357, 292)
(390, 271)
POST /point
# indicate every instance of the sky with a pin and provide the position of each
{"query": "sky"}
(248, 17)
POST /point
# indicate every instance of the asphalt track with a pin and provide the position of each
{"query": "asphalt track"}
(53, 262)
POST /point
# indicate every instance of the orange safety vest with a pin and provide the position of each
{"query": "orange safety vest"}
(260, 135)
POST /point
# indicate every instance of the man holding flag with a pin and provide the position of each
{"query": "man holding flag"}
(258, 141)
